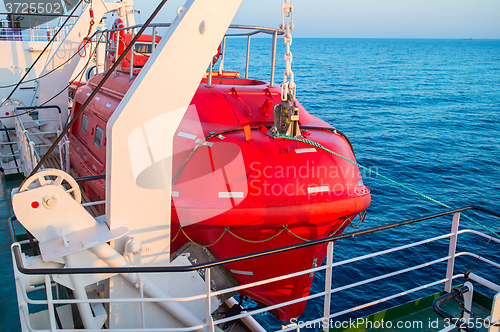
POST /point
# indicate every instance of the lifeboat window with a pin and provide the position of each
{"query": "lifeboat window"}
(85, 120)
(143, 48)
(99, 133)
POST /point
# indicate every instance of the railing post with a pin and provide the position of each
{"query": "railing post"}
(468, 300)
(106, 51)
(153, 40)
(273, 58)
(117, 34)
(132, 35)
(495, 314)
(50, 304)
(60, 147)
(328, 287)
(209, 320)
(33, 157)
(97, 37)
(451, 252)
(210, 69)
(221, 67)
(248, 56)
(68, 168)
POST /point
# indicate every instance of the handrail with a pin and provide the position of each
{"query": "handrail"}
(254, 31)
(153, 269)
(232, 26)
(327, 316)
(38, 107)
(29, 145)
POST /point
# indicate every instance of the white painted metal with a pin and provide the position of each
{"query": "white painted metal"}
(484, 282)
(80, 293)
(248, 321)
(140, 143)
(328, 286)
(451, 327)
(478, 257)
(48, 292)
(208, 310)
(151, 288)
(81, 240)
(51, 85)
(222, 60)
(248, 56)
(468, 300)
(495, 314)
(452, 250)
(46, 223)
(93, 203)
(273, 58)
(489, 237)
(209, 293)
(132, 56)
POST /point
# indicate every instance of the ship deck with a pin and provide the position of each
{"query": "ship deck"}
(418, 316)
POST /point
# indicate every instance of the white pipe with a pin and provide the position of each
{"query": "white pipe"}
(35, 262)
(483, 282)
(151, 289)
(249, 321)
(80, 293)
(40, 137)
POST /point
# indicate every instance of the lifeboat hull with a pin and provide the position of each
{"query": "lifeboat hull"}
(242, 191)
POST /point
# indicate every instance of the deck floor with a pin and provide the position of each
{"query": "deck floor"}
(427, 320)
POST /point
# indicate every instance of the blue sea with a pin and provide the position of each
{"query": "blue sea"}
(425, 113)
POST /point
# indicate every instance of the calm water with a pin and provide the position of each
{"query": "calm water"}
(423, 112)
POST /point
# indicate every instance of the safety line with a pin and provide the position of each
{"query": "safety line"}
(319, 146)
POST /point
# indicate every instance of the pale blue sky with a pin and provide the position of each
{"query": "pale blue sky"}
(368, 18)
(365, 18)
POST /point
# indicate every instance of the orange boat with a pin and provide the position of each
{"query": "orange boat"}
(244, 178)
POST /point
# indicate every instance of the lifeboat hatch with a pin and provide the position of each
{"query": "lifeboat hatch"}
(253, 106)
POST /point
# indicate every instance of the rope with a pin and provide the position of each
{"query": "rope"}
(176, 235)
(319, 146)
(199, 244)
(361, 219)
(257, 241)
(292, 233)
(87, 40)
(284, 227)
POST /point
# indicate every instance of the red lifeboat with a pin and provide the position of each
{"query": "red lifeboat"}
(237, 189)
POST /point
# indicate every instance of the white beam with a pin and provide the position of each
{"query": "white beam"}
(140, 134)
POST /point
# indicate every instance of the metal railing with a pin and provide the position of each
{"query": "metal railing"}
(43, 32)
(254, 30)
(322, 321)
(27, 155)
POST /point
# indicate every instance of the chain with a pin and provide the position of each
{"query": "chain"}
(287, 86)
(460, 302)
